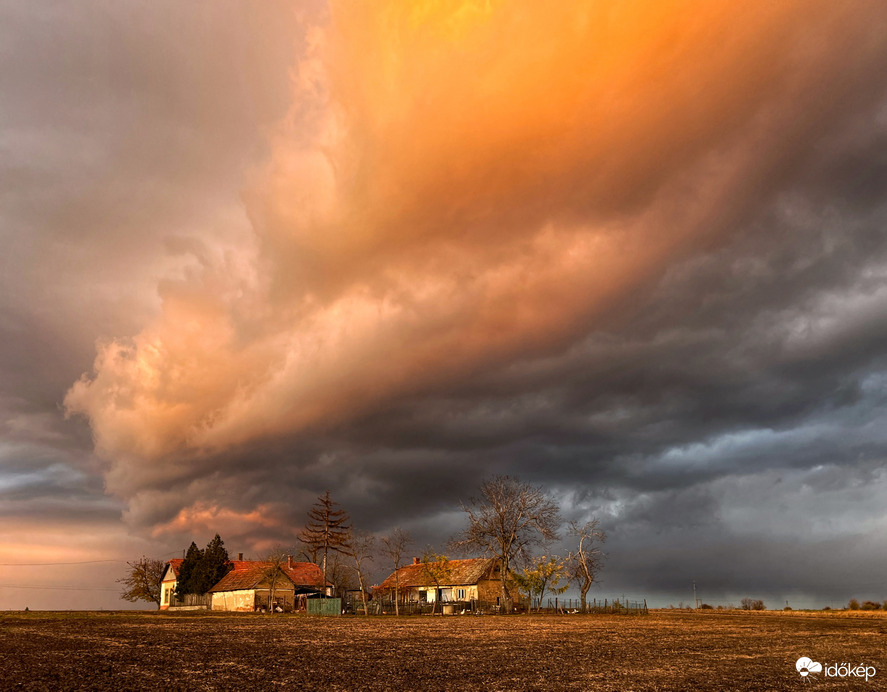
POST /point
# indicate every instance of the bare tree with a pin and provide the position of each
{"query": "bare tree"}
(438, 571)
(327, 530)
(585, 562)
(394, 545)
(273, 573)
(341, 574)
(143, 581)
(362, 546)
(508, 519)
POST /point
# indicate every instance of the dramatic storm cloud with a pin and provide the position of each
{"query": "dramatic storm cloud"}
(630, 251)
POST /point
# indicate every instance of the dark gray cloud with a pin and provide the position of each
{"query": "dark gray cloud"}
(724, 416)
(122, 125)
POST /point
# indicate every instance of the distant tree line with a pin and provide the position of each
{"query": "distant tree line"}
(854, 604)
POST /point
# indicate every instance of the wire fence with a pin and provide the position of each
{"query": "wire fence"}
(472, 607)
(607, 606)
(562, 606)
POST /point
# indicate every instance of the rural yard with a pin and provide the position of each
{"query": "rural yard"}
(667, 650)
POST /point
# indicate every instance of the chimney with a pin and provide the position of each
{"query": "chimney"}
(240, 557)
(416, 561)
(289, 561)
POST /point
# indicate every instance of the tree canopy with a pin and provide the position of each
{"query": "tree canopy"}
(143, 581)
(202, 569)
(543, 574)
(508, 519)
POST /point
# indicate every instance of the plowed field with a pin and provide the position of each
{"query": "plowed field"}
(662, 651)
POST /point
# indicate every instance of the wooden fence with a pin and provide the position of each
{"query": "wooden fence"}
(192, 600)
(324, 606)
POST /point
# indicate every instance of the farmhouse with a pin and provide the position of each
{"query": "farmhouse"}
(255, 585)
(471, 580)
(168, 583)
(247, 586)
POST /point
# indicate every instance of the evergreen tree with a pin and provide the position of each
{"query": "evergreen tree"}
(185, 580)
(327, 530)
(214, 565)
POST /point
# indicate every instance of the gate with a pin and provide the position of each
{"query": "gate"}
(324, 606)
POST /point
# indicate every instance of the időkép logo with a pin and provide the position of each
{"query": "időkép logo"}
(808, 668)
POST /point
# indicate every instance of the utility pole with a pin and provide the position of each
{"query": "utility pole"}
(695, 600)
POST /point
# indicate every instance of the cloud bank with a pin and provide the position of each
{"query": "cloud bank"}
(632, 252)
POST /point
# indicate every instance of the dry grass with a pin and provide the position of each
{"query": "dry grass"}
(667, 650)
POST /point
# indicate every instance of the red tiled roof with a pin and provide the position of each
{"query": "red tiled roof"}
(247, 574)
(304, 574)
(461, 573)
(176, 564)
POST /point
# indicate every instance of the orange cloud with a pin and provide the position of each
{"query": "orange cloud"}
(457, 184)
(205, 518)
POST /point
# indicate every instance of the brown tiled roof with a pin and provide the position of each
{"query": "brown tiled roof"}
(247, 574)
(462, 572)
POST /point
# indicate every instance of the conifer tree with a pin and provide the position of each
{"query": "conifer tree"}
(212, 567)
(185, 579)
(328, 530)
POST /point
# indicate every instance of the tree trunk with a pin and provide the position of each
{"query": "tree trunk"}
(506, 595)
(363, 593)
(583, 591)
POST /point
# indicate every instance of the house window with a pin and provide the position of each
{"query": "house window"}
(460, 594)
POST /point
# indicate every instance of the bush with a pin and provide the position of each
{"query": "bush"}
(787, 608)
(752, 604)
(827, 608)
(871, 605)
(705, 606)
(853, 604)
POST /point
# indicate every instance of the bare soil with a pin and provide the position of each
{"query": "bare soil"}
(214, 651)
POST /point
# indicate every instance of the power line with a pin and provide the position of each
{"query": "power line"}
(53, 564)
(57, 588)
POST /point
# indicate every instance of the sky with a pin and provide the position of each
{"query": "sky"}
(630, 252)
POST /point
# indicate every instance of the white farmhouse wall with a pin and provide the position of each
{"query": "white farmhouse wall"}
(240, 601)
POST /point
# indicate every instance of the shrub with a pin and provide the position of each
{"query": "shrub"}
(871, 605)
(705, 606)
(827, 608)
(752, 604)
(853, 604)
(787, 608)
